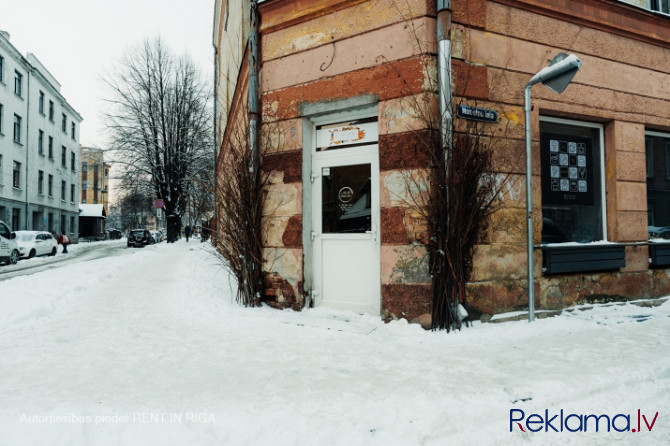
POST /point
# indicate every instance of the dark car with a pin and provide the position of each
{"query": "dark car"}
(659, 232)
(140, 237)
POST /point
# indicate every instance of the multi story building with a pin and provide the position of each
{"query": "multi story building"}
(353, 85)
(94, 177)
(39, 146)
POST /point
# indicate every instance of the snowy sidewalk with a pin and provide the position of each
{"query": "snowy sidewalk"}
(149, 349)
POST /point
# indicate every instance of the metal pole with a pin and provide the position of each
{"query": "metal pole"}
(529, 206)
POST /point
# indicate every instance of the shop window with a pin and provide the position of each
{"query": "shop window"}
(572, 182)
(573, 204)
(658, 183)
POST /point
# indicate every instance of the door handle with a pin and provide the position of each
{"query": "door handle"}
(313, 235)
(373, 234)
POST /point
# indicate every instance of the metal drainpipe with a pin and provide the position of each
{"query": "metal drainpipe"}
(254, 115)
(25, 225)
(444, 78)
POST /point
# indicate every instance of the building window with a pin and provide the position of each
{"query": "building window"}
(2, 119)
(83, 194)
(660, 5)
(51, 147)
(1, 175)
(40, 142)
(658, 182)
(63, 123)
(18, 83)
(16, 176)
(84, 184)
(17, 128)
(71, 193)
(51, 111)
(84, 166)
(72, 162)
(72, 130)
(63, 156)
(2, 69)
(40, 182)
(63, 186)
(41, 103)
(72, 227)
(50, 186)
(572, 160)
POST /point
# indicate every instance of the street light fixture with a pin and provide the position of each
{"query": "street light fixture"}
(556, 77)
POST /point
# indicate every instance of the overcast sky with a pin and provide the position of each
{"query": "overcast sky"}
(78, 40)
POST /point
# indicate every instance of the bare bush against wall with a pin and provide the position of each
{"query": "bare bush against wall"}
(241, 187)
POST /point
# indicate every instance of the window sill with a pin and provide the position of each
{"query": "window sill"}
(572, 258)
(659, 254)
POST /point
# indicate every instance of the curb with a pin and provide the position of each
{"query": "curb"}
(543, 314)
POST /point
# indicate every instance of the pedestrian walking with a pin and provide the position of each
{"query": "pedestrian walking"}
(64, 240)
(187, 232)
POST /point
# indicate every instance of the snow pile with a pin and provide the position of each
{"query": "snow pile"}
(148, 348)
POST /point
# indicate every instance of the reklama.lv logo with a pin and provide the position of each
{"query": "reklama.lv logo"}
(572, 422)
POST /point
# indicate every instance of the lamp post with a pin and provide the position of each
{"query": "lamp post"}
(556, 77)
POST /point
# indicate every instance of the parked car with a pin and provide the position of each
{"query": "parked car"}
(659, 232)
(36, 243)
(157, 235)
(140, 238)
(9, 250)
(113, 234)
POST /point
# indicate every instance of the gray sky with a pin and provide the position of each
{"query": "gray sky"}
(78, 40)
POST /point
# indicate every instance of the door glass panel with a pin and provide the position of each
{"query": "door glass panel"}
(346, 199)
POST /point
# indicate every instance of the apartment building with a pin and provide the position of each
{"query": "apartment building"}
(342, 81)
(94, 177)
(39, 146)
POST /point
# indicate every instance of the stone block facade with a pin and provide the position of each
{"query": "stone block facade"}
(319, 53)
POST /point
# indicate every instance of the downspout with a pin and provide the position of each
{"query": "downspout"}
(444, 79)
(25, 225)
(446, 126)
(215, 143)
(254, 115)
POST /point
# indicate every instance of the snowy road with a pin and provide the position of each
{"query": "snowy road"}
(77, 253)
(149, 349)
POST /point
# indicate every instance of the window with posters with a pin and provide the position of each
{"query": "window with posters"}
(572, 181)
(657, 147)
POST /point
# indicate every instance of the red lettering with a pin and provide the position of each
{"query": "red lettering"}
(644, 417)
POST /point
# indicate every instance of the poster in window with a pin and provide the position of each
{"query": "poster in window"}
(567, 170)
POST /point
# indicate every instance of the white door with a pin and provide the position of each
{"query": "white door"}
(345, 232)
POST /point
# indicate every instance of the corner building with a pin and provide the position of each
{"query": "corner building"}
(347, 86)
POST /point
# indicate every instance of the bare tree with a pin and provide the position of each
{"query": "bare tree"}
(160, 124)
(135, 208)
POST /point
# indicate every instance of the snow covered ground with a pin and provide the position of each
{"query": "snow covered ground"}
(148, 348)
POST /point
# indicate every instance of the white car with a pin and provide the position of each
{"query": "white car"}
(9, 251)
(36, 243)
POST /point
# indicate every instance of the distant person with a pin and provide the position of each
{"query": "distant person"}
(187, 232)
(64, 240)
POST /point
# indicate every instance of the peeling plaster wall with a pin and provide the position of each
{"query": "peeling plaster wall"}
(320, 52)
(316, 53)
